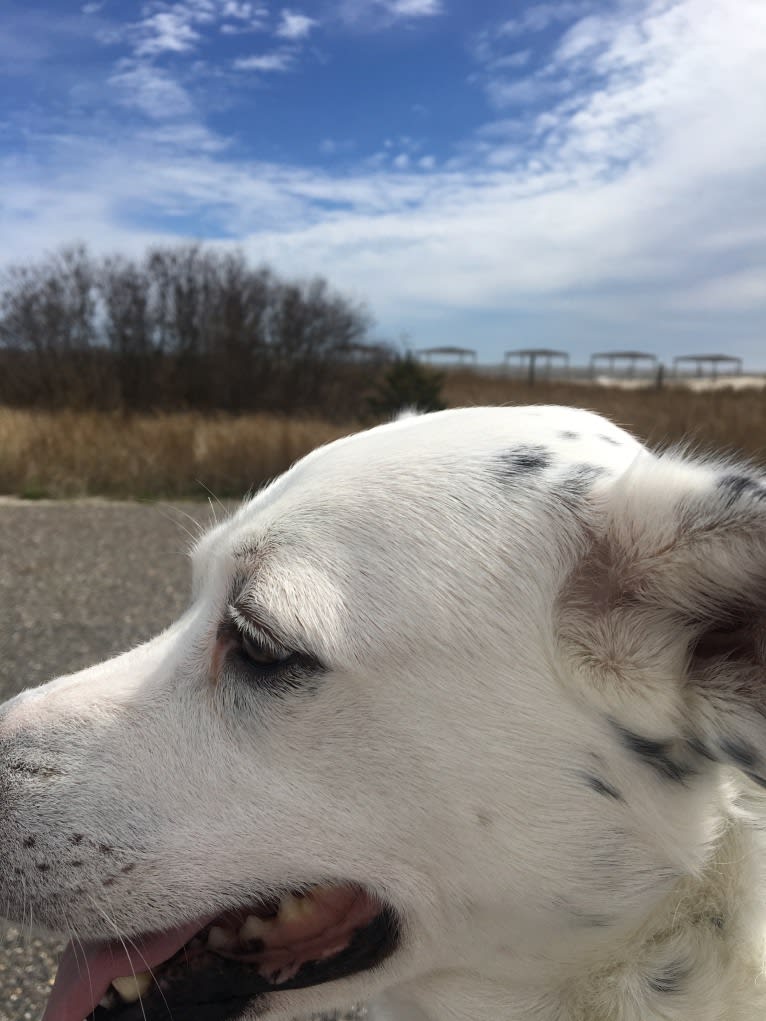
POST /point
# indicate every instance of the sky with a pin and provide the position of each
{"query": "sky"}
(578, 174)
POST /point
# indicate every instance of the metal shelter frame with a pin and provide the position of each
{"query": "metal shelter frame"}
(713, 360)
(612, 357)
(530, 355)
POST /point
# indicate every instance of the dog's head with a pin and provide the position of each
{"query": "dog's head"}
(450, 695)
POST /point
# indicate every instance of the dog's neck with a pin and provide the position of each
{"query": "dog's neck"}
(699, 956)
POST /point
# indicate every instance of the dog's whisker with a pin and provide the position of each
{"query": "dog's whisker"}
(193, 536)
(122, 938)
(119, 936)
(213, 497)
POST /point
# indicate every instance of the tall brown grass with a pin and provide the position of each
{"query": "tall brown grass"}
(67, 453)
(64, 454)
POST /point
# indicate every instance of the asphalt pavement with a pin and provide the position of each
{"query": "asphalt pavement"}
(78, 582)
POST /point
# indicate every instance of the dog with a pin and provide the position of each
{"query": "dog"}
(466, 718)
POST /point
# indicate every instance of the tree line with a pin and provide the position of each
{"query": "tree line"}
(182, 327)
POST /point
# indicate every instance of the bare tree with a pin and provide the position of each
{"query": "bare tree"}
(183, 326)
(48, 312)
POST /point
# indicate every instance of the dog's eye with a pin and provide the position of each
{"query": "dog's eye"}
(261, 653)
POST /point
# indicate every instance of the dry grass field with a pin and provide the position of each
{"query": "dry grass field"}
(68, 454)
(71, 454)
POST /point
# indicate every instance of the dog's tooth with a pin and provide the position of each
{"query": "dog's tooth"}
(332, 951)
(255, 928)
(292, 908)
(221, 939)
(286, 973)
(131, 988)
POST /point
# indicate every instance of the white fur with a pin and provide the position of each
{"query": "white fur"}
(492, 629)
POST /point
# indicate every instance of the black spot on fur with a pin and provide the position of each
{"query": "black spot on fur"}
(610, 439)
(656, 755)
(484, 820)
(671, 980)
(77, 838)
(126, 869)
(528, 460)
(699, 747)
(106, 849)
(600, 786)
(41, 866)
(567, 434)
(740, 753)
(735, 486)
(29, 842)
(579, 481)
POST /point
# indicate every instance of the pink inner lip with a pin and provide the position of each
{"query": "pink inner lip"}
(86, 970)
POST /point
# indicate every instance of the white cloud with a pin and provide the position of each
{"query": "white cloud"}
(293, 25)
(377, 14)
(266, 62)
(402, 161)
(243, 18)
(242, 10)
(502, 92)
(538, 17)
(518, 58)
(151, 91)
(166, 32)
(413, 8)
(175, 27)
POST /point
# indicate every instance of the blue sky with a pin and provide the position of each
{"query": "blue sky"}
(572, 173)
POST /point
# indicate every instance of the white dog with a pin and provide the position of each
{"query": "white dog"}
(466, 717)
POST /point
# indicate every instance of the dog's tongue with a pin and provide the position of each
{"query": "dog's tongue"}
(86, 970)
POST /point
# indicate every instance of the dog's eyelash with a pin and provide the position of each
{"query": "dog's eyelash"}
(257, 636)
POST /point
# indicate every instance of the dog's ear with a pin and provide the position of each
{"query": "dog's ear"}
(663, 620)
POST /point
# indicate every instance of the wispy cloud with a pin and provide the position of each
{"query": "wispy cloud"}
(240, 18)
(538, 17)
(293, 25)
(413, 8)
(151, 90)
(179, 27)
(166, 32)
(375, 14)
(280, 60)
(242, 10)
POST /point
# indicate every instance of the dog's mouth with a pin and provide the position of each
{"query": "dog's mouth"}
(214, 969)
